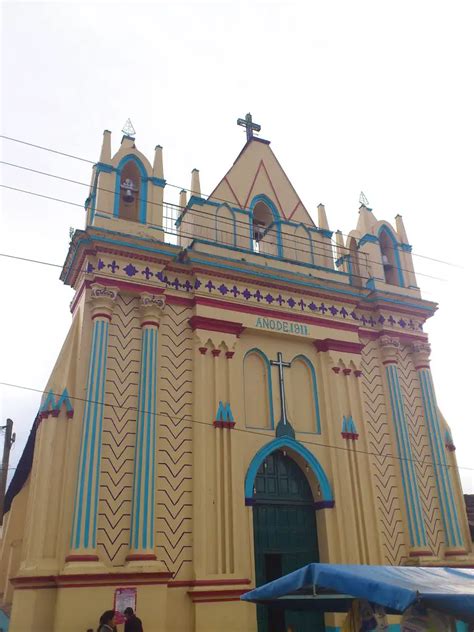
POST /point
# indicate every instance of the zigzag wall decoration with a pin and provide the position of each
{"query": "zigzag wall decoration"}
(383, 468)
(118, 434)
(421, 451)
(174, 443)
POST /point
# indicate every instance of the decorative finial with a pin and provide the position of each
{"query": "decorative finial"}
(250, 127)
(363, 200)
(128, 129)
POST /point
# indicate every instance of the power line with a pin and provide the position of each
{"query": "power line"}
(245, 430)
(181, 188)
(193, 236)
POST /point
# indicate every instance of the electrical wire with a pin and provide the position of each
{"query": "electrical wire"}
(100, 212)
(181, 188)
(186, 418)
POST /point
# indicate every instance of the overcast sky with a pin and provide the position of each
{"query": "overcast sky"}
(373, 96)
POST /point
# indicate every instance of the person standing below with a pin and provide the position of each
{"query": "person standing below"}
(132, 622)
(107, 622)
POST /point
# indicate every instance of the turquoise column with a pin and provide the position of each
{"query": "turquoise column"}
(142, 529)
(416, 526)
(446, 493)
(84, 528)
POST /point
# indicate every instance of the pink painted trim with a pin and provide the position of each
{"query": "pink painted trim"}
(150, 323)
(229, 354)
(232, 191)
(215, 324)
(350, 435)
(203, 350)
(295, 209)
(454, 552)
(207, 582)
(127, 285)
(385, 362)
(358, 373)
(131, 557)
(421, 553)
(451, 447)
(347, 371)
(101, 315)
(70, 414)
(404, 337)
(82, 558)
(338, 345)
(422, 366)
(216, 352)
(272, 313)
(224, 424)
(336, 369)
(55, 412)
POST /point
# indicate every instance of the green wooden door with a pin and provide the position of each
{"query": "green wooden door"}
(285, 537)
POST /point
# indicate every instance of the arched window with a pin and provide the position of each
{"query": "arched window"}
(225, 225)
(302, 244)
(303, 404)
(390, 258)
(257, 390)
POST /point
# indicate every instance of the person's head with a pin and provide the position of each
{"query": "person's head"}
(108, 618)
(128, 612)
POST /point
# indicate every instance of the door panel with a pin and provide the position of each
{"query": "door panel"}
(285, 537)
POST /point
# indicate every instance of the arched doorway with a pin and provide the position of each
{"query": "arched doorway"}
(285, 536)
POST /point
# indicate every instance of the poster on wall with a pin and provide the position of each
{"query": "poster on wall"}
(124, 598)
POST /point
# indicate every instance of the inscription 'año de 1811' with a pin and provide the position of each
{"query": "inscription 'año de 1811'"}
(282, 325)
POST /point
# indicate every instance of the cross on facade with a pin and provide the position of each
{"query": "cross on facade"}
(281, 365)
(249, 125)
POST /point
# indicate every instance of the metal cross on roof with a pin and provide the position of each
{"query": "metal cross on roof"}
(363, 200)
(128, 128)
(249, 125)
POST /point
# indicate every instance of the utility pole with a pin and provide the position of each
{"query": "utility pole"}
(7, 444)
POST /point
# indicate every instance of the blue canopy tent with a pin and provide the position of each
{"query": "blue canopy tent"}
(331, 587)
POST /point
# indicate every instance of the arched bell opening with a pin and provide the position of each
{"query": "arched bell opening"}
(390, 258)
(131, 190)
(265, 227)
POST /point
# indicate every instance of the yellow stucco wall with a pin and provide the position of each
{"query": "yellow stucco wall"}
(164, 336)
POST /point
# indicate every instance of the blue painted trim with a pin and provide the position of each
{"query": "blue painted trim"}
(443, 479)
(143, 190)
(276, 217)
(367, 239)
(314, 384)
(104, 167)
(269, 383)
(325, 232)
(159, 182)
(420, 525)
(224, 412)
(64, 399)
(412, 501)
(196, 200)
(99, 448)
(405, 247)
(387, 230)
(293, 445)
(49, 401)
(77, 521)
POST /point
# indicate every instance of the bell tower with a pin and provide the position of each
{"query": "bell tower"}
(126, 193)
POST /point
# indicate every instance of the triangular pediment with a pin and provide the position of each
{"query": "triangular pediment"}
(256, 171)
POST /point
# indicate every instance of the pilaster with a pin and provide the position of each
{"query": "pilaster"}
(389, 347)
(84, 530)
(447, 491)
(142, 531)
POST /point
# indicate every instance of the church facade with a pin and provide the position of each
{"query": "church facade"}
(238, 398)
